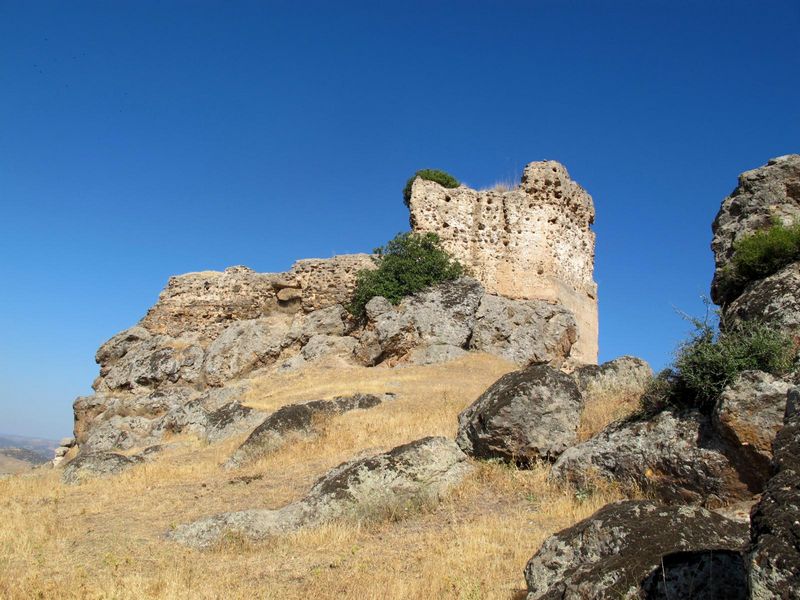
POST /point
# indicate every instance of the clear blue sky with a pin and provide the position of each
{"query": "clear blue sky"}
(143, 139)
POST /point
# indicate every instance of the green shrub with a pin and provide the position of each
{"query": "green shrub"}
(711, 359)
(407, 264)
(759, 255)
(440, 177)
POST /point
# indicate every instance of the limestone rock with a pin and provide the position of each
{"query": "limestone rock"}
(531, 242)
(435, 354)
(673, 455)
(771, 191)
(619, 552)
(523, 331)
(295, 420)
(330, 347)
(523, 417)
(774, 300)
(774, 557)
(97, 464)
(417, 472)
(625, 372)
(445, 313)
(242, 347)
(747, 417)
(325, 321)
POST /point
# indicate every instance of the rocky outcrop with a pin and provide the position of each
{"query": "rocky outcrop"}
(774, 300)
(774, 557)
(623, 373)
(747, 416)
(763, 194)
(406, 476)
(640, 549)
(98, 464)
(296, 420)
(524, 417)
(533, 242)
(675, 456)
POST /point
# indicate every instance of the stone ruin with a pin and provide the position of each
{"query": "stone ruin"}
(530, 242)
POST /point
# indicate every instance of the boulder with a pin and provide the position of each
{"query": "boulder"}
(763, 194)
(435, 354)
(96, 464)
(151, 363)
(242, 347)
(322, 347)
(406, 476)
(295, 420)
(625, 372)
(672, 455)
(523, 331)
(325, 321)
(774, 556)
(747, 416)
(523, 417)
(619, 552)
(774, 300)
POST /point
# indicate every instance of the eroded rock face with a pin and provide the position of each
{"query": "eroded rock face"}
(771, 191)
(523, 417)
(420, 471)
(524, 331)
(619, 553)
(774, 300)
(747, 417)
(774, 557)
(625, 372)
(530, 243)
(673, 455)
(242, 347)
(295, 420)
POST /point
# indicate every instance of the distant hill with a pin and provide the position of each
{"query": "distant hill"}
(19, 453)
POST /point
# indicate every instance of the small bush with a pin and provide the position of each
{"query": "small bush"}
(759, 255)
(711, 359)
(440, 177)
(409, 263)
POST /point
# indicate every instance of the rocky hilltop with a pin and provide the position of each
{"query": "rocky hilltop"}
(185, 365)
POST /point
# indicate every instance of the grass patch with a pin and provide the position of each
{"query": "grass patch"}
(441, 177)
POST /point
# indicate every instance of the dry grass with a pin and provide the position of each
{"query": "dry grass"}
(104, 538)
(605, 402)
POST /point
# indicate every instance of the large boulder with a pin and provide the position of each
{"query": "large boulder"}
(523, 331)
(98, 464)
(763, 194)
(774, 557)
(640, 549)
(674, 455)
(242, 347)
(523, 417)
(295, 420)
(747, 416)
(774, 300)
(406, 476)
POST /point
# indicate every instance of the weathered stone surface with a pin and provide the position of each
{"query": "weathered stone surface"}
(242, 347)
(774, 557)
(625, 372)
(325, 321)
(415, 472)
(435, 354)
(329, 347)
(523, 417)
(328, 281)
(616, 552)
(763, 194)
(208, 301)
(97, 464)
(532, 242)
(295, 420)
(774, 300)
(747, 417)
(523, 331)
(673, 455)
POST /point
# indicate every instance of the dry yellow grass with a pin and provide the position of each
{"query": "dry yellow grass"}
(104, 538)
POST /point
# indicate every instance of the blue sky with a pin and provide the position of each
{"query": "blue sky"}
(144, 139)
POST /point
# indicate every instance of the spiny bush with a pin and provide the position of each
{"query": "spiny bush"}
(409, 263)
(759, 255)
(442, 178)
(712, 358)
